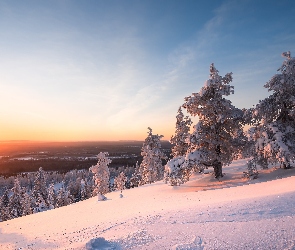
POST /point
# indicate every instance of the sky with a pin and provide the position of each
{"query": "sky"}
(108, 70)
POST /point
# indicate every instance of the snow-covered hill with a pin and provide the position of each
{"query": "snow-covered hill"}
(202, 214)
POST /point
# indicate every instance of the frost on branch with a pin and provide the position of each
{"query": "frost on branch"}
(101, 175)
(273, 130)
(218, 135)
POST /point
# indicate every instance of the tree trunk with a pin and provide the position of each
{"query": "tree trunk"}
(217, 165)
(286, 165)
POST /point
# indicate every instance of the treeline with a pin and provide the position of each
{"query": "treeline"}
(14, 167)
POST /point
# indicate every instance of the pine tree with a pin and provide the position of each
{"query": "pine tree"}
(83, 190)
(39, 204)
(40, 192)
(151, 167)
(63, 197)
(4, 206)
(51, 197)
(74, 187)
(273, 118)
(101, 175)
(26, 202)
(218, 134)
(179, 140)
(120, 182)
(136, 176)
(15, 201)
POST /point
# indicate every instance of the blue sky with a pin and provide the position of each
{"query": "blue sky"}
(107, 70)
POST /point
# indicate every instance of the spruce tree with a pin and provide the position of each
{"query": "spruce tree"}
(83, 190)
(4, 206)
(15, 201)
(136, 176)
(179, 140)
(101, 175)
(26, 203)
(40, 192)
(151, 167)
(63, 197)
(51, 197)
(120, 181)
(218, 134)
(273, 118)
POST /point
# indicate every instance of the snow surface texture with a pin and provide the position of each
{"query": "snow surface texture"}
(204, 213)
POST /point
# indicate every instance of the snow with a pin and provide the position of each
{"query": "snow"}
(204, 213)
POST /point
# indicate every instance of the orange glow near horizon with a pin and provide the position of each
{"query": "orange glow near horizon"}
(18, 133)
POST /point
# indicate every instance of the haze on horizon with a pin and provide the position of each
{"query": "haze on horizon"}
(107, 70)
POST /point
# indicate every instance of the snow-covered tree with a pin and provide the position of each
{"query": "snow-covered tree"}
(120, 181)
(179, 140)
(39, 204)
(177, 171)
(40, 192)
(26, 203)
(63, 197)
(273, 118)
(101, 175)
(83, 190)
(15, 201)
(151, 167)
(218, 134)
(136, 176)
(74, 187)
(51, 197)
(4, 206)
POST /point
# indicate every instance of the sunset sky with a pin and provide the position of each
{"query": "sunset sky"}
(107, 70)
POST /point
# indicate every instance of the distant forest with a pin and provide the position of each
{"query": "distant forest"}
(27, 156)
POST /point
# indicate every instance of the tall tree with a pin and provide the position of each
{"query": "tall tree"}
(274, 117)
(83, 190)
(120, 182)
(101, 175)
(40, 191)
(219, 132)
(151, 167)
(63, 197)
(26, 202)
(15, 201)
(51, 197)
(179, 140)
(4, 206)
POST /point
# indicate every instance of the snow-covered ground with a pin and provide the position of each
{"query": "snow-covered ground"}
(205, 213)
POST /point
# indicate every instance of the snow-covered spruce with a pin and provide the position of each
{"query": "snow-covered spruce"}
(218, 135)
(15, 201)
(151, 167)
(179, 140)
(273, 118)
(40, 192)
(4, 206)
(101, 175)
(136, 177)
(63, 197)
(120, 182)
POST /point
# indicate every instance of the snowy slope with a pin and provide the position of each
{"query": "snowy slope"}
(202, 214)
